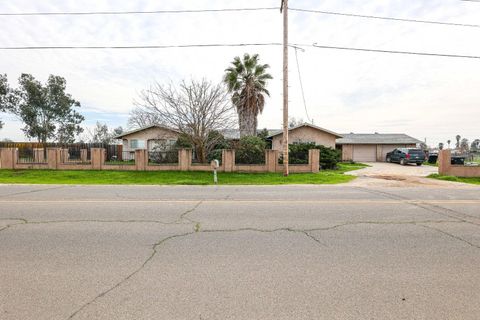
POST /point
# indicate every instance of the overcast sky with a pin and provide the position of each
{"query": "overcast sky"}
(346, 91)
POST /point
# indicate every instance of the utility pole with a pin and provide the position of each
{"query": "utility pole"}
(284, 9)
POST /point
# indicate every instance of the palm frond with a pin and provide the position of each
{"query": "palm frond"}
(246, 79)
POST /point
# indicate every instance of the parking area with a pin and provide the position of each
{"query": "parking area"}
(394, 169)
(382, 174)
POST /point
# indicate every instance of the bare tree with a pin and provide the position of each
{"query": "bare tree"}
(101, 134)
(293, 122)
(197, 109)
(140, 118)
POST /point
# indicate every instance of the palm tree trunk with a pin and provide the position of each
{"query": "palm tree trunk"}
(247, 123)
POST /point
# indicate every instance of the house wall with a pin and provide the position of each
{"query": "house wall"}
(149, 134)
(347, 152)
(305, 134)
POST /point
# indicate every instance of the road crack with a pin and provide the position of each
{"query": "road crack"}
(452, 236)
(463, 217)
(30, 191)
(157, 245)
(23, 221)
(313, 238)
(118, 284)
(183, 216)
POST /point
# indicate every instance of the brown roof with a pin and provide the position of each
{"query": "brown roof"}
(307, 125)
(120, 136)
(377, 138)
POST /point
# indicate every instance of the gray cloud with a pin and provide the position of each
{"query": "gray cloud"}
(346, 91)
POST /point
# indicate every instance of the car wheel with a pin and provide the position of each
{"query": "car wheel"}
(419, 164)
(389, 160)
(403, 162)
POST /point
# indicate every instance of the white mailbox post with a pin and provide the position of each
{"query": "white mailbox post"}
(215, 164)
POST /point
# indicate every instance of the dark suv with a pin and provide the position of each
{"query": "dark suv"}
(406, 155)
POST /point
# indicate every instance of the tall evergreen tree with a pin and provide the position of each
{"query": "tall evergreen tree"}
(47, 112)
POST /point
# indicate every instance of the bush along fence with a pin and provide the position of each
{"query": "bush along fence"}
(445, 167)
(142, 160)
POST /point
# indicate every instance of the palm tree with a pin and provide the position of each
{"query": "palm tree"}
(247, 80)
(440, 146)
(448, 141)
(458, 141)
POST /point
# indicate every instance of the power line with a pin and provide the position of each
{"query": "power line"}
(389, 18)
(301, 85)
(135, 12)
(210, 45)
(430, 54)
(141, 47)
(236, 10)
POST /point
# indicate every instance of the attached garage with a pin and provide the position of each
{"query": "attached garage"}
(372, 147)
(390, 147)
(364, 153)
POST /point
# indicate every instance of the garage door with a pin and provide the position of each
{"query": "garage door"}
(364, 153)
(389, 147)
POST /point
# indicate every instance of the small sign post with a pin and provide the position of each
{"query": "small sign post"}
(215, 164)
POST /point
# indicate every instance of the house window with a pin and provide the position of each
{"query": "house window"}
(137, 144)
(171, 143)
(161, 145)
(299, 141)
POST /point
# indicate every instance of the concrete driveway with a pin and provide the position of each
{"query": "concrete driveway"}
(231, 252)
(394, 169)
(382, 174)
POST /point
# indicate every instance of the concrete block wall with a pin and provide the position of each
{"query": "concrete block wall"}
(57, 160)
(446, 168)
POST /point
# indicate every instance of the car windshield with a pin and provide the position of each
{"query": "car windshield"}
(415, 151)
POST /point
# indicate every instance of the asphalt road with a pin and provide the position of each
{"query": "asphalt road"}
(283, 252)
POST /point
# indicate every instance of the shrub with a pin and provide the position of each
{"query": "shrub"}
(183, 142)
(215, 155)
(250, 150)
(298, 154)
(263, 134)
(329, 157)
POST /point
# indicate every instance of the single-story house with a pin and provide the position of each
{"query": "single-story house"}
(305, 133)
(150, 138)
(354, 147)
(372, 147)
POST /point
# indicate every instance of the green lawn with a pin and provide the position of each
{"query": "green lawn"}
(431, 164)
(173, 177)
(455, 179)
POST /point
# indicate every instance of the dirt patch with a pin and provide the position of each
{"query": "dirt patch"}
(388, 181)
(391, 178)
